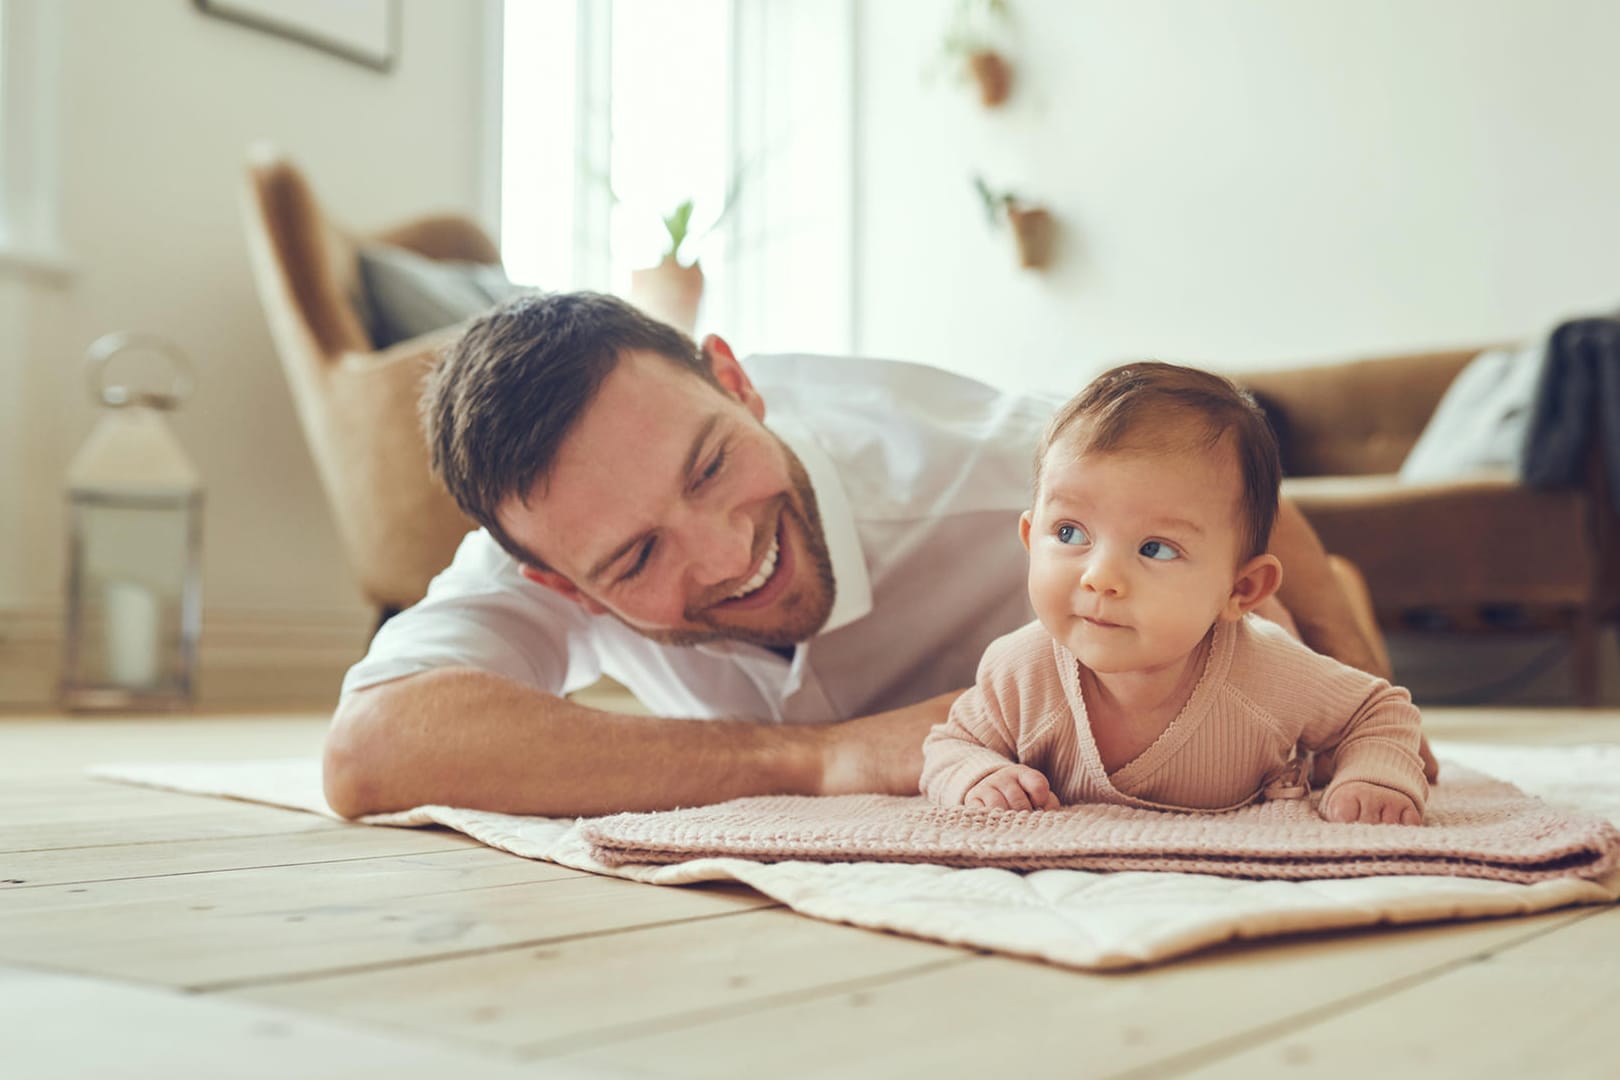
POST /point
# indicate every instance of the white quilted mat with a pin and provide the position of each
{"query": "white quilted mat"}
(1071, 917)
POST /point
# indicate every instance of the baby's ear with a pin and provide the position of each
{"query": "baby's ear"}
(1256, 580)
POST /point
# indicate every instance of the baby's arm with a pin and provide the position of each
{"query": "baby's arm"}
(1378, 773)
(972, 758)
(971, 745)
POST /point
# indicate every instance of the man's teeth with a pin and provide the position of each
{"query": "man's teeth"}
(762, 575)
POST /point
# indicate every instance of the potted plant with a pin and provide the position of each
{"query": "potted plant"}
(1033, 226)
(671, 290)
(967, 48)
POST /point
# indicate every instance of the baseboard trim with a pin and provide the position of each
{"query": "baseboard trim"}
(245, 658)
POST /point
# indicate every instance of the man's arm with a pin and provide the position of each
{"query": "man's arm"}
(1312, 595)
(1322, 611)
(460, 737)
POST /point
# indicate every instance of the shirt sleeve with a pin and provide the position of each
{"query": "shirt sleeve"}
(1371, 727)
(481, 613)
(977, 738)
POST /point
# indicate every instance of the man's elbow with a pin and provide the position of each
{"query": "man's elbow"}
(348, 770)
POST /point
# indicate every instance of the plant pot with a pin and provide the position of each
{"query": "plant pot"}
(1034, 229)
(994, 76)
(669, 291)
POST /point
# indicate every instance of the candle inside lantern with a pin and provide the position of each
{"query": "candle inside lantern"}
(132, 631)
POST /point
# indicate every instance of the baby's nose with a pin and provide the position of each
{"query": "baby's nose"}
(1102, 575)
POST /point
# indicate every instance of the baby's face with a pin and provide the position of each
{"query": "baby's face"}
(1133, 553)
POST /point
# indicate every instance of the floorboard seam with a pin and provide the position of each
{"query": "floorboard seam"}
(568, 1044)
(230, 985)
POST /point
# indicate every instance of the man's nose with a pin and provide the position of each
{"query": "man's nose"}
(720, 546)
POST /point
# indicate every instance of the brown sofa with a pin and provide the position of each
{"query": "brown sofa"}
(358, 406)
(1482, 555)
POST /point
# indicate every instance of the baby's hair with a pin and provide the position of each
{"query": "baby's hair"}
(1115, 409)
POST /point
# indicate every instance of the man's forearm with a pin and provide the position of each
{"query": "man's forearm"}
(1313, 597)
(459, 737)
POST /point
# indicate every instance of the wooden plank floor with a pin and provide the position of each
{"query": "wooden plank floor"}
(145, 933)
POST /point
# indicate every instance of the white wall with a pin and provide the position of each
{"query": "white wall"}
(158, 106)
(1244, 183)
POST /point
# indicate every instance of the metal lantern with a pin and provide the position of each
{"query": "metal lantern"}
(134, 586)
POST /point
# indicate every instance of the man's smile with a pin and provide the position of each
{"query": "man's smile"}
(772, 574)
(767, 566)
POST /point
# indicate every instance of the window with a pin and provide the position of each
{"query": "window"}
(29, 55)
(613, 114)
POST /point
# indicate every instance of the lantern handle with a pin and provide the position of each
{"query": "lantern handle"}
(106, 348)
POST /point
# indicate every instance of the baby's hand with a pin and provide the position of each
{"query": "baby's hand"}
(1358, 800)
(1013, 787)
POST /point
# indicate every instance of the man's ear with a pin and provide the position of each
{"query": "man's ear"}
(723, 364)
(1024, 521)
(1256, 579)
(562, 587)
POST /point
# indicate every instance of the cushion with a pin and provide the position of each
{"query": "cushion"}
(407, 295)
(1483, 419)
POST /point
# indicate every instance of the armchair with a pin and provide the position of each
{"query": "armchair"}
(357, 406)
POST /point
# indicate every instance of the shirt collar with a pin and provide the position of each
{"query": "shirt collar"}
(853, 595)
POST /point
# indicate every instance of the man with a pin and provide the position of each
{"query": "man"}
(760, 554)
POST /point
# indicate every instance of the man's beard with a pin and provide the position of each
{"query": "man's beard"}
(800, 622)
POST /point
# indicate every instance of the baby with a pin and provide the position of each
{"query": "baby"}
(1145, 681)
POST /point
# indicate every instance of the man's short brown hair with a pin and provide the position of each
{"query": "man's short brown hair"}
(1111, 413)
(517, 380)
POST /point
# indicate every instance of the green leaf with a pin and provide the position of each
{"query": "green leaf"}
(676, 223)
(993, 203)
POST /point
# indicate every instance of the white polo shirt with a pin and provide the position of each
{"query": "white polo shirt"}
(920, 476)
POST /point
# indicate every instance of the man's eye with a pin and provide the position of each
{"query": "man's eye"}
(1158, 549)
(1072, 534)
(641, 560)
(712, 469)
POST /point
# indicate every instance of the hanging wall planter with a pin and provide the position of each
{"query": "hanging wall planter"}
(1033, 227)
(970, 49)
(993, 74)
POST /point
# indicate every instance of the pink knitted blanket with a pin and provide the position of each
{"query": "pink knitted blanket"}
(1475, 826)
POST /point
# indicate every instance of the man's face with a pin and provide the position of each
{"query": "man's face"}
(671, 507)
(1133, 555)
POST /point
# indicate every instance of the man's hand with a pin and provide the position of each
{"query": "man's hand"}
(1370, 804)
(880, 753)
(1013, 787)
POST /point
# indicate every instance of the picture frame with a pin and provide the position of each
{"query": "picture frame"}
(364, 31)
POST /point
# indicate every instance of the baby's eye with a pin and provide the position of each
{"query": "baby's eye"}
(1158, 549)
(1072, 534)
